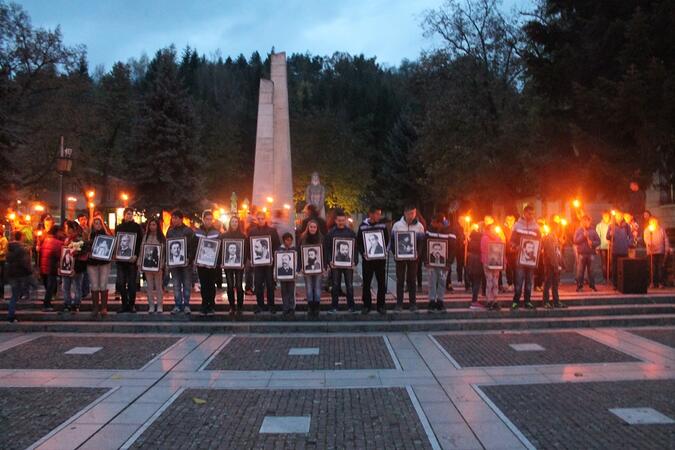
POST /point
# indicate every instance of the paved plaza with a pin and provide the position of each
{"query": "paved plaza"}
(573, 388)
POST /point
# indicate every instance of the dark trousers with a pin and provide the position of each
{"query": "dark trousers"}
(207, 280)
(615, 269)
(510, 268)
(551, 283)
(406, 272)
(50, 283)
(585, 266)
(264, 281)
(2, 280)
(248, 277)
(377, 269)
(337, 275)
(86, 285)
(460, 267)
(126, 278)
(476, 280)
(288, 295)
(234, 280)
(657, 267)
(419, 276)
(523, 279)
(603, 259)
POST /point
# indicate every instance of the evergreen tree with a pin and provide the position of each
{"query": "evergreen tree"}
(166, 164)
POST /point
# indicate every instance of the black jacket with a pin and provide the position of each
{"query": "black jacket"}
(367, 226)
(336, 232)
(18, 261)
(264, 230)
(131, 227)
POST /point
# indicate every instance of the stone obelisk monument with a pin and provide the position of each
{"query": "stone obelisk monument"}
(273, 177)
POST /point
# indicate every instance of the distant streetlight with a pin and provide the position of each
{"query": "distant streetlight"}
(64, 163)
(125, 199)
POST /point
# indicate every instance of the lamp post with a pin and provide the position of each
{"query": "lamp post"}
(64, 162)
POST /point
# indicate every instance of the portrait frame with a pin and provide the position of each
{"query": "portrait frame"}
(99, 240)
(132, 245)
(278, 264)
(523, 261)
(184, 262)
(496, 248)
(304, 249)
(144, 251)
(431, 242)
(351, 242)
(211, 263)
(262, 262)
(240, 246)
(398, 256)
(62, 270)
(377, 256)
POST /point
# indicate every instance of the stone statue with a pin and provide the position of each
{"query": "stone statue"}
(316, 195)
(233, 203)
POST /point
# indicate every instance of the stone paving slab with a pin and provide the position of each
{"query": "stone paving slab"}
(664, 336)
(339, 418)
(335, 353)
(576, 415)
(118, 352)
(495, 349)
(28, 414)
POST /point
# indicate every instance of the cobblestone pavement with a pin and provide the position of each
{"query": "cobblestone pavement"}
(401, 392)
(339, 418)
(576, 415)
(27, 414)
(477, 350)
(49, 352)
(665, 337)
(272, 353)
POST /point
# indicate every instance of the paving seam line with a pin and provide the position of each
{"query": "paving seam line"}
(130, 403)
(452, 360)
(156, 358)
(514, 429)
(423, 418)
(213, 355)
(605, 340)
(397, 363)
(73, 418)
(638, 341)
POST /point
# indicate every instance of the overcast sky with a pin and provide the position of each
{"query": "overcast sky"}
(115, 30)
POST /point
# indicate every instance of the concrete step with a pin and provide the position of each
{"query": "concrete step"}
(403, 324)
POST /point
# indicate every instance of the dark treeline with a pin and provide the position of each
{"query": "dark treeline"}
(573, 97)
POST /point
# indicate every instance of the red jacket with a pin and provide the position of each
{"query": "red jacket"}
(50, 252)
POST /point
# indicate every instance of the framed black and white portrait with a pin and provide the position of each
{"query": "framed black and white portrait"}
(373, 245)
(233, 253)
(528, 254)
(343, 253)
(405, 246)
(437, 252)
(151, 257)
(176, 252)
(66, 263)
(495, 256)
(261, 251)
(126, 245)
(102, 248)
(207, 253)
(312, 259)
(284, 265)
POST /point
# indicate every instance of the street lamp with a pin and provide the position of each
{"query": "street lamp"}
(64, 162)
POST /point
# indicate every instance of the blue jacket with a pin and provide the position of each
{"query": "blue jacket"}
(622, 238)
(582, 244)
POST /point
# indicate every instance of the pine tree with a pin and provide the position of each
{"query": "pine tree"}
(166, 162)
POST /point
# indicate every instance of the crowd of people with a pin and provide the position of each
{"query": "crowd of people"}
(527, 252)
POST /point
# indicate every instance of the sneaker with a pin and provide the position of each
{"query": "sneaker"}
(579, 289)
(186, 310)
(353, 310)
(476, 306)
(529, 305)
(66, 309)
(12, 320)
(594, 289)
(560, 305)
(132, 310)
(175, 311)
(495, 306)
(382, 311)
(365, 311)
(76, 310)
(515, 305)
(441, 307)
(548, 305)
(48, 307)
(257, 310)
(332, 311)
(413, 308)
(159, 310)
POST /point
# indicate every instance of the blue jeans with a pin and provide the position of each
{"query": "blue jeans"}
(585, 264)
(71, 284)
(182, 286)
(19, 287)
(523, 276)
(313, 287)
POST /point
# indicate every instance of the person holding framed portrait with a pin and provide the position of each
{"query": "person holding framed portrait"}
(234, 258)
(207, 252)
(440, 252)
(285, 265)
(72, 283)
(339, 250)
(492, 255)
(179, 261)
(406, 269)
(372, 240)
(263, 241)
(98, 264)
(311, 253)
(129, 236)
(525, 239)
(153, 256)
